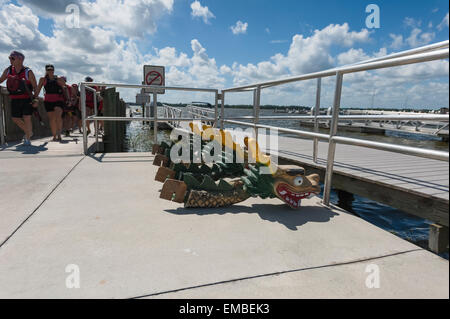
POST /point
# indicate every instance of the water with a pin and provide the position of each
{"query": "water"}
(409, 227)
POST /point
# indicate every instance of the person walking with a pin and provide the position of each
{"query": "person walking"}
(21, 83)
(54, 87)
(90, 108)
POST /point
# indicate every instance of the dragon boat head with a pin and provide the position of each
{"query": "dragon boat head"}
(291, 185)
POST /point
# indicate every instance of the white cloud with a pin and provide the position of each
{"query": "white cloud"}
(96, 50)
(305, 55)
(278, 41)
(224, 69)
(412, 23)
(239, 28)
(397, 41)
(418, 38)
(198, 11)
(19, 29)
(128, 18)
(352, 56)
(267, 30)
(444, 23)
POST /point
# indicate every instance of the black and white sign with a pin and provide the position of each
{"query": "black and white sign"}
(156, 76)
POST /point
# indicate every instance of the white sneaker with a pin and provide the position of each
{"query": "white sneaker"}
(25, 136)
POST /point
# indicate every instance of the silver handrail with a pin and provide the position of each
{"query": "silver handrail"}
(399, 59)
(89, 86)
(419, 55)
(406, 150)
(418, 117)
(170, 111)
(2, 122)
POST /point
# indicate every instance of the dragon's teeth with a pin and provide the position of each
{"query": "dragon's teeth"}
(283, 193)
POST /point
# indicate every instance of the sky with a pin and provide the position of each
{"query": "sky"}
(221, 44)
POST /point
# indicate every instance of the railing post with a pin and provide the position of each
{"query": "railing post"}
(316, 121)
(256, 108)
(2, 123)
(222, 112)
(83, 117)
(216, 110)
(332, 143)
(96, 122)
(155, 115)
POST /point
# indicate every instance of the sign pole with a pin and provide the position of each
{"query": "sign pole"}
(155, 114)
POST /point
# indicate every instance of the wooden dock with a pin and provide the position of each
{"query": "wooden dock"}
(414, 185)
(376, 128)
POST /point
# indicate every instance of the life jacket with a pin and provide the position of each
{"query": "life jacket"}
(51, 86)
(90, 97)
(18, 84)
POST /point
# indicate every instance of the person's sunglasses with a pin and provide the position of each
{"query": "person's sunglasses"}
(12, 58)
(50, 69)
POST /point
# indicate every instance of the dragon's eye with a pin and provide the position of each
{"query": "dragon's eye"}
(298, 181)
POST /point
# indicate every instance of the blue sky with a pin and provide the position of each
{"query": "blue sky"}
(194, 39)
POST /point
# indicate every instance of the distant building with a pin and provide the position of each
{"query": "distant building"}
(444, 110)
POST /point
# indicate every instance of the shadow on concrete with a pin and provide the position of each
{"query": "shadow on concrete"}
(282, 214)
(32, 149)
(100, 157)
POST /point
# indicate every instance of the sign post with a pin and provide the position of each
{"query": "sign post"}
(154, 75)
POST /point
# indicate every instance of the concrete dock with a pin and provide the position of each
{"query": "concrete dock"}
(103, 214)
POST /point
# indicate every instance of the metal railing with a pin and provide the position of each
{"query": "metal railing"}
(2, 123)
(172, 113)
(425, 54)
(202, 113)
(88, 86)
(433, 52)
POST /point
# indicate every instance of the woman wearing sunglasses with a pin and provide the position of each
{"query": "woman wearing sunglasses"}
(21, 83)
(53, 99)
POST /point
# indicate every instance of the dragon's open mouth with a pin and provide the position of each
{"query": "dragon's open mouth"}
(293, 199)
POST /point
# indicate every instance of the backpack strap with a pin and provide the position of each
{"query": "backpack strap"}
(27, 71)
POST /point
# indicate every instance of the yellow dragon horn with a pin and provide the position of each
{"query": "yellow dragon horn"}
(195, 129)
(255, 153)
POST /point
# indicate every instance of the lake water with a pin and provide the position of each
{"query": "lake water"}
(414, 229)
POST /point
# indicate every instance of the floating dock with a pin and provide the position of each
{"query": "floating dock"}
(376, 128)
(103, 214)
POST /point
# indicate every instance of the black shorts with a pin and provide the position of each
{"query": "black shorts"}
(21, 108)
(50, 106)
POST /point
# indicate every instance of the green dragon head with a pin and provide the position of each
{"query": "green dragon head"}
(288, 183)
(291, 185)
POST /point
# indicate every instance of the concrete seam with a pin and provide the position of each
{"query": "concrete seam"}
(276, 274)
(42, 203)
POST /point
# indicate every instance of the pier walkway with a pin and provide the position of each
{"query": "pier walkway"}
(415, 185)
(103, 214)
